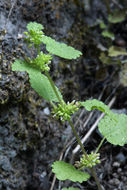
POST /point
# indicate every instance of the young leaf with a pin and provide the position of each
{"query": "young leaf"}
(60, 49)
(65, 171)
(34, 34)
(116, 51)
(115, 131)
(39, 82)
(96, 104)
(34, 26)
(70, 188)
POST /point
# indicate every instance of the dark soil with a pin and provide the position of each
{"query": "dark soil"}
(30, 139)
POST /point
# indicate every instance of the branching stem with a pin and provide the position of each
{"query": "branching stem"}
(74, 131)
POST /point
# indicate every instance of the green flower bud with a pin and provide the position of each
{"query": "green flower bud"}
(42, 61)
(93, 159)
(64, 111)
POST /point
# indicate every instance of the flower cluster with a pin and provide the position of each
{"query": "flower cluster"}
(34, 34)
(42, 61)
(64, 111)
(93, 159)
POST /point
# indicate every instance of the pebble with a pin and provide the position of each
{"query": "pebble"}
(12, 153)
(114, 181)
(46, 111)
(121, 158)
(120, 42)
(3, 131)
(124, 178)
(115, 175)
(111, 181)
(116, 164)
(119, 170)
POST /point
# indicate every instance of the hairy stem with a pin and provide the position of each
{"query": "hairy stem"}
(74, 131)
(78, 139)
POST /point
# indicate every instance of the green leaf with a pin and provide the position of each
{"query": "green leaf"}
(113, 126)
(38, 81)
(65, 171)
(115, 131)
(96, 104)
(108, 34)
(60, 49)
(116, 51)
(36, 37)
(70, 188)
(34, 26)
(117, 16)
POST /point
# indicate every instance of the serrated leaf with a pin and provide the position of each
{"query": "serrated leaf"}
(34, 26)
(66, 171)
(108, 34)
(70, 188)
(117, 16)
(115, 131)
(96, 104)
(116, 51)
(60, 49)
(38, 81)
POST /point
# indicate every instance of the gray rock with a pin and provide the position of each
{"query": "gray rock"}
(5, 163)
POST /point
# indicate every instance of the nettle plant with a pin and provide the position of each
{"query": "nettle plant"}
(113, 126)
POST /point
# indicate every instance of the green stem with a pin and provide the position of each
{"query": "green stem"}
(99, 146)
(53, 105)
(38, 49)
(78, 139)
(74, 131)
(54, 88)
(84, 152)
